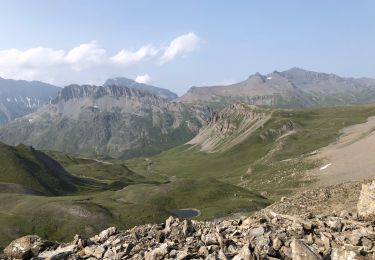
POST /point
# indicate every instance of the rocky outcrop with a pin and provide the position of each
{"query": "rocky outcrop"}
(366, 203)
(230, 126)
(125, 82)
(266, 236)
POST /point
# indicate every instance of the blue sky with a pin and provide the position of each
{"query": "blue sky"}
(178, 44)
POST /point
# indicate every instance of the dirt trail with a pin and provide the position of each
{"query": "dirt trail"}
(352, 157)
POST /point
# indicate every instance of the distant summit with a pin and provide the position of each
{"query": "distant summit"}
(125, 82)
(97, 92)
(21, 97)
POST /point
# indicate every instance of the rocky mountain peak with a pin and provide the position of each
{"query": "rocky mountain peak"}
(299, 75)
(129, 83)
(257, 78)
(96, 92)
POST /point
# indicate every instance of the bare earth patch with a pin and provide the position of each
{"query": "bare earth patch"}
(350, 158)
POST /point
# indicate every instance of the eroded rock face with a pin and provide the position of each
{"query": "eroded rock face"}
(366, 202)
(267, 235)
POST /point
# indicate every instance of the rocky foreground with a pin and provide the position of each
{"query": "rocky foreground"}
(267, 235)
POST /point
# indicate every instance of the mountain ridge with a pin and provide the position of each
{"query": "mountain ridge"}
(125, 82)
(114, 120)
(293, 88)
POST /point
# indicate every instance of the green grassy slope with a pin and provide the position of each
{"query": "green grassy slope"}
(116, 196)
(34, 170)
(59, 218)
(261, 162)
(115, 174)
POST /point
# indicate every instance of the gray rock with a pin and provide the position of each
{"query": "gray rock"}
(59, 253)
(366, 202)
(277, 244)
(187, 228)
(105, 234)
(244, 253)
(346, 253)
(168, 224)
(26, 247)
(257, 231)
(301, 251)
(367, 243)
(355, 237)
(157, 253)
(209, 238)
(203, 251)
(99, 252)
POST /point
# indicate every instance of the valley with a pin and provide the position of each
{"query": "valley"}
(242, 160)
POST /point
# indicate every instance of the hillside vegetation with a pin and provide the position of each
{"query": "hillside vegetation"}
(81, 195)
(272, 159)
(23, 167)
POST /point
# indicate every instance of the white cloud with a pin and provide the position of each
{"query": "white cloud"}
(87, 62)
(182, 44)
(126, 57)
(145, 79)
(34, 57)
(86, 56)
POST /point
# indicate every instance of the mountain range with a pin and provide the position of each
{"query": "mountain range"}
(107, 120)
(293, 88)
(20, 97)
(125, 119)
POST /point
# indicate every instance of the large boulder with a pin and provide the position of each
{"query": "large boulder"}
(366, 202)
(26, 247)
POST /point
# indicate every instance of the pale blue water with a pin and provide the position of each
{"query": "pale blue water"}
(185, 213)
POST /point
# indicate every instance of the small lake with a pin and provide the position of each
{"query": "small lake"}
(185, 213)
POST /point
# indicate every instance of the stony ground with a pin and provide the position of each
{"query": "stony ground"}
(308, 234)
(321, 200)
(271, 236)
